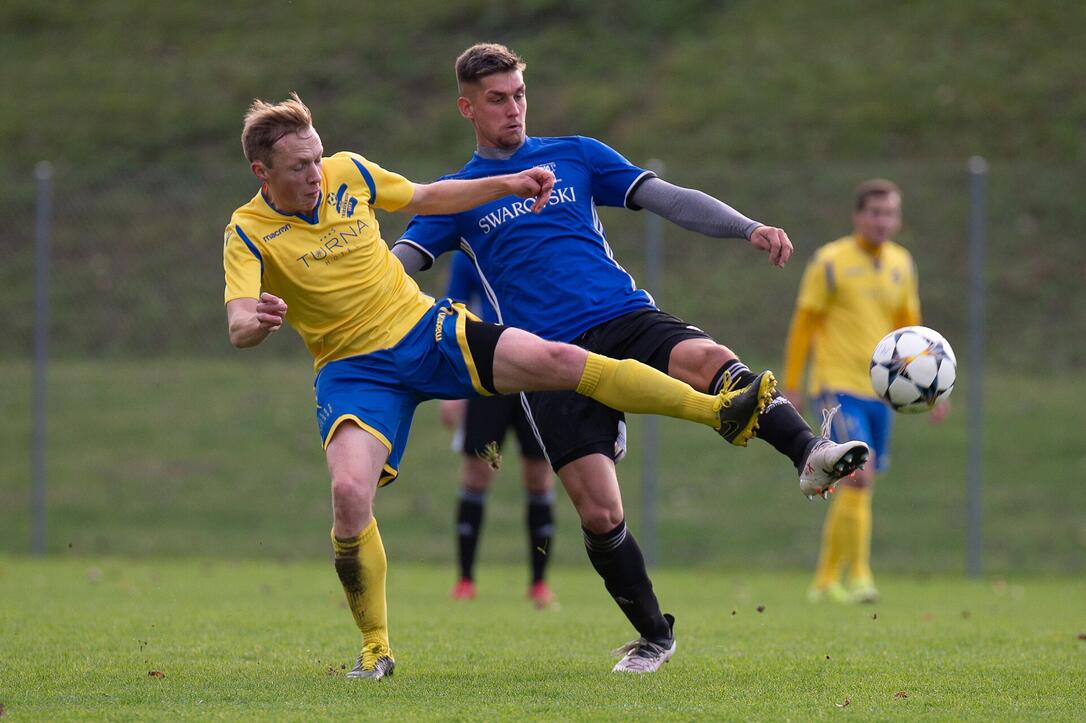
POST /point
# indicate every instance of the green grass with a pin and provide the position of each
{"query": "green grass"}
(258, 640)
(183, 457)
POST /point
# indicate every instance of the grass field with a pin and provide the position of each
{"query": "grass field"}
(192, 457)
(265, 640)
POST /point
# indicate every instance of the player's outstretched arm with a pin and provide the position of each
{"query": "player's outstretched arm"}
(252, 320)
(700, 212)
(454, 196)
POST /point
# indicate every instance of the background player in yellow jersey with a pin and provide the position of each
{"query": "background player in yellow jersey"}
(307, 250)
(854, 291)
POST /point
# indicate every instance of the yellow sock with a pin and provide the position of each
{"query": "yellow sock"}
(630, 386)
(834, 545)
(859, 501)
(361, 566)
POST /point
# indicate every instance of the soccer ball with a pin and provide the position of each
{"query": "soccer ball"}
(913, 369)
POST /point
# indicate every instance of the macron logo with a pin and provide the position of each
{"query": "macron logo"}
(277, 232)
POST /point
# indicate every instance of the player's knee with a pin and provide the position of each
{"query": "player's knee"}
(351, 492)
(599, 519)
(538, 483)
(477, 485)
(565, 360)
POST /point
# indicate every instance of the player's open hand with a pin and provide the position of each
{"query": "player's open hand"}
(773, 240)
(534, 183)
(270, 311)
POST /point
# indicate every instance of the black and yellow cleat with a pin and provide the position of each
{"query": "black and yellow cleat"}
(741, 406)
(375, 663)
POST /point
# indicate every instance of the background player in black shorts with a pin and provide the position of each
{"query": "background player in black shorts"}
(481, 425)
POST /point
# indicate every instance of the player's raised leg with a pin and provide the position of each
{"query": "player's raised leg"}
(524, 362)
(704, 364)
(355, 460)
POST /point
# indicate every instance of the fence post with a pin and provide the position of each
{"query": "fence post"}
(978, 172)
(650, 460)
(43, 173)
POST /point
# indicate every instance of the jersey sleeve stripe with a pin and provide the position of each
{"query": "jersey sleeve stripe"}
(418, 248)
(368, 178)
(633, 187)
(252, 247)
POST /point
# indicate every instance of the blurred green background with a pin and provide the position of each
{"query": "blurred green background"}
(163, 440)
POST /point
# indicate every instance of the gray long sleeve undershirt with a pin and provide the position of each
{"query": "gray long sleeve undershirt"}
(685, 207)
(691, 209)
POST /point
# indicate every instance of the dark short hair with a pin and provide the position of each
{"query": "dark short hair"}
(874, 187)
(483, 59)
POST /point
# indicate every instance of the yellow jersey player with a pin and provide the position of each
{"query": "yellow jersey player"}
(854, 291)
(307, 250)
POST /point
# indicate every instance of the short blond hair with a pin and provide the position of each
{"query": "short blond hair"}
(483, 59)
(266, 123)
(874, 187)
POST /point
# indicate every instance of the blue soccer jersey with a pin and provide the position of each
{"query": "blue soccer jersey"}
(466, 287)
(551, 273)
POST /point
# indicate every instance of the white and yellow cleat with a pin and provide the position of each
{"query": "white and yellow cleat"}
(863, 591)
(375, 663)
(832, 593)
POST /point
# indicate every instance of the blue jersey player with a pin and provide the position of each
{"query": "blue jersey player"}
(554, 274)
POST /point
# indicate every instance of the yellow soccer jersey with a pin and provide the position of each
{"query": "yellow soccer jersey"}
(346, 293)
(852, 297)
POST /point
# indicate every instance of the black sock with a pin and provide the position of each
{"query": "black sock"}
(618, 560)
(540, 519)
(469, 523)
(780, 424)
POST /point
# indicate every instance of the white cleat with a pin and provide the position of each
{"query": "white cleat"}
(375, 663)
(645, 656)
(828, 462)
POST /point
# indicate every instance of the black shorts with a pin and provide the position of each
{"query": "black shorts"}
(572, 426)
(487, 420)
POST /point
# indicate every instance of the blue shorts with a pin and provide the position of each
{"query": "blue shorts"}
(380, 390)
(864, 419)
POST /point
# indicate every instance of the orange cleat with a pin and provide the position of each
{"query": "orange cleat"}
(541, 595)
(464, 590)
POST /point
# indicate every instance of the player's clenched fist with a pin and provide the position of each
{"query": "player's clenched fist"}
(534, 183)
(270, 310)
(775, 241)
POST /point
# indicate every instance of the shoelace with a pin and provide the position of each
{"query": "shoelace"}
(827, 419)
(727, 385)
(641, 645)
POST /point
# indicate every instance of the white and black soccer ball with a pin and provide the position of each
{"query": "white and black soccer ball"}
(913, 369)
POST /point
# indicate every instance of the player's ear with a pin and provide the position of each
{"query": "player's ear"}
(259, 170)
(465, 107)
